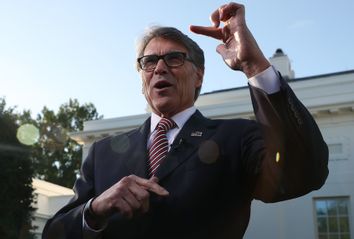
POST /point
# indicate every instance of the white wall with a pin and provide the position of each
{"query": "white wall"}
(49, 199)
(295, 219)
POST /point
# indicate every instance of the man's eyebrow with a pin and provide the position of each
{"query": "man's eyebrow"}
(166, 52)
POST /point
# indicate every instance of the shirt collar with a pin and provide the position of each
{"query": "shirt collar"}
(180, 118)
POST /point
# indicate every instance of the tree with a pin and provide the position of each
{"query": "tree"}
(16, 174)
(56, 156)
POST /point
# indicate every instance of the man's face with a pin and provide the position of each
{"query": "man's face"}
(169, 90)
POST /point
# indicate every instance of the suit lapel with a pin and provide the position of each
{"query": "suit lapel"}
(136, 157)
(196, 130)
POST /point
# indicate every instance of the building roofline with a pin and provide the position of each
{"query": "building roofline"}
(322, 75)
(50, 189)
(288, 80)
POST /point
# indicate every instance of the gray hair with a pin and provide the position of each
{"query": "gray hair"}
(173, 34)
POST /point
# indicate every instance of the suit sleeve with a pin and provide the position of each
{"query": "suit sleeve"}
(68, 221)
(290, 154)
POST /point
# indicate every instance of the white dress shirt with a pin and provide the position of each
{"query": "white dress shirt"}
(180, 119)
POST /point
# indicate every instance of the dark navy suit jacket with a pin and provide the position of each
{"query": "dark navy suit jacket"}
(215, 168)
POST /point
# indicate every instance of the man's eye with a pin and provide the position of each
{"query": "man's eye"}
(174, 58)
(174, 55)
(149, 60)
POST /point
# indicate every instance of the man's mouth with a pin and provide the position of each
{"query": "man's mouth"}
(162, 84)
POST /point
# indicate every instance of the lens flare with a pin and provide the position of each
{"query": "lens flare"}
(277, 157)
(27, 134)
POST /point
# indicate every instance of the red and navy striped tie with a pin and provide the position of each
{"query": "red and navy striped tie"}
(159, 146)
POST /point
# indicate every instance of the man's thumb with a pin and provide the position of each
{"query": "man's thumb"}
(154, 179)
(226, 54)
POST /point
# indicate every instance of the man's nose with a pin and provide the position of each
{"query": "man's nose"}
(161, 67)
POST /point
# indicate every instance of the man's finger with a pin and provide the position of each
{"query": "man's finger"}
(223, 13)
(207, 31)
(154, 187)
(132, 200)
(230, 10)
(154, 179)
(215, 18)
(151, 186)
(123, 207)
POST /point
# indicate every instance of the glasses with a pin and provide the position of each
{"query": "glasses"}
(172, 59)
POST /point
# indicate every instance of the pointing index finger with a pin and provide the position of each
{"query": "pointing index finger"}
(152, 186)
(207, 31)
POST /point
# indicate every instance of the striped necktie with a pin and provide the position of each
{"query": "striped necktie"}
(159, 146)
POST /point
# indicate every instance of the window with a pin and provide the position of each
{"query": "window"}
(337, 152)
(332, 218)
(335, 148)
(339, 148)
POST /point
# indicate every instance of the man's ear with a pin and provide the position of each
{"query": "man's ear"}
(142, 87)
(143, 84)
(200, 75)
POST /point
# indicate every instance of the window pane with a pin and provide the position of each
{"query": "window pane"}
(332, 207)
(321, 208)
(345, 236)
(334, 236)
(335, 148)
(333, 224)
(322, 224)
(342, 207)
(322, 236)
(344, 224)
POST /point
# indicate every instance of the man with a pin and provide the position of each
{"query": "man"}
(203, 188)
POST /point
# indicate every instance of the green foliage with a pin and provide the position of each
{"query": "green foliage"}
(16, 175)
(56, 156)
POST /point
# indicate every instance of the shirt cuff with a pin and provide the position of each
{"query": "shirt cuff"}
(268, 80)
(88, 231)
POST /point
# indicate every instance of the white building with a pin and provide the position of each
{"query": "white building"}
(49, 199)
(326, 213)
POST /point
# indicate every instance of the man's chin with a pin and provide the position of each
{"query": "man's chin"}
(164, 108)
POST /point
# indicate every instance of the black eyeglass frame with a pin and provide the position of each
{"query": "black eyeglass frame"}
(158, 57)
